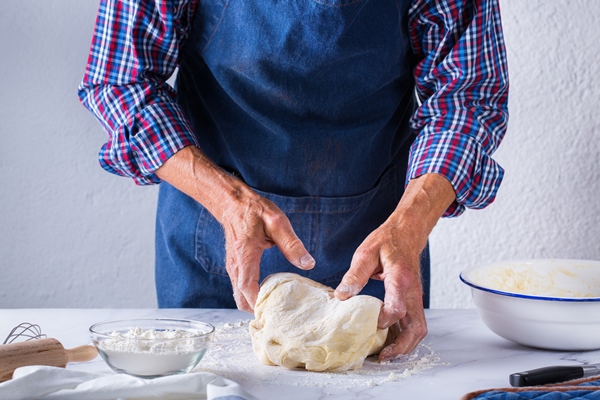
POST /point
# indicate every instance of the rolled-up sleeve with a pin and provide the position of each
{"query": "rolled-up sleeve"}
(462, 83)
(134, 51)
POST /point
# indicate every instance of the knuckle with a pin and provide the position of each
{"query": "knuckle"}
(420, 332)
(397, 313)
(294, 244)
(398, 304)
(274, 220)
(242, 284)
(361, 256)
(290, 244)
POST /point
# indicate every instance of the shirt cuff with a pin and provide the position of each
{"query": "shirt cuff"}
(460, 158)
(138, 149)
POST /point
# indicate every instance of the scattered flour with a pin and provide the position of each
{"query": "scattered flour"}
(230, 356)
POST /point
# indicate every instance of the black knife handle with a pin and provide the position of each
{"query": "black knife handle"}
(542, 376)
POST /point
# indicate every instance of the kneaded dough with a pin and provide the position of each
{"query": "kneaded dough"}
(300, 324)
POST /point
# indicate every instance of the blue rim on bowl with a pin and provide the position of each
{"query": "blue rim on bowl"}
(550, 304)
(466, 281)
(526, 296)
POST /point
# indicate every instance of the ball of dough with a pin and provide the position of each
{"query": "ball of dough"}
(300, 324)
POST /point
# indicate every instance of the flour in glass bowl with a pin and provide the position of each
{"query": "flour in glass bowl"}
(231, 356)
(138, 340)
(152, 352)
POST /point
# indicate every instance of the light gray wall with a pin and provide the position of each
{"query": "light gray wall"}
(549, 203)
(72, 235)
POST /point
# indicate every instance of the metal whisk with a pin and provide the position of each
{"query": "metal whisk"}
(24, 332)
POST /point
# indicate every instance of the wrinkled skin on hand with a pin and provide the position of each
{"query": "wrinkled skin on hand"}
(251, 223)
(391, 253)
(388, 255)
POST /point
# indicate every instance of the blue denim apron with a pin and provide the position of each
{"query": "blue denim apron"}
(306, 101)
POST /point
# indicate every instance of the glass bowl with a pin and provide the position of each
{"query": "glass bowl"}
(150, 348)
(546, 303)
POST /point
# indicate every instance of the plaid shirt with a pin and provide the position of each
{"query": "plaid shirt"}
(460, 75)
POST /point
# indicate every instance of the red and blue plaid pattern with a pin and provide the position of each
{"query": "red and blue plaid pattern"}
(462, 83)
(461, 80)
(134, 51)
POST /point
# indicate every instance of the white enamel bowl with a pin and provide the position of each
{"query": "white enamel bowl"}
(550, 304)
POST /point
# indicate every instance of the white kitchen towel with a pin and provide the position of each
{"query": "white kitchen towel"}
(53, 383)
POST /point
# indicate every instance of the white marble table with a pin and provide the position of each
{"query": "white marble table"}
(459, 355)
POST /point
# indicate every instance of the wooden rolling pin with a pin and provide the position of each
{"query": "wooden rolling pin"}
(40, 352)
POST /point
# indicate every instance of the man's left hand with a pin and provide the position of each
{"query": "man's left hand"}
(392, 253)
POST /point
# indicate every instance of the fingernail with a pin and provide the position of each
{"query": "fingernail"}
(384, 355)
(342, 292)
(344, 289)
(307, 261)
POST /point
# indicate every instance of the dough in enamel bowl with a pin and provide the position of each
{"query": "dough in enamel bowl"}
(300, 324)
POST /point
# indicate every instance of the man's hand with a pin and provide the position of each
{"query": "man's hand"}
(251, 223)
(392, 253)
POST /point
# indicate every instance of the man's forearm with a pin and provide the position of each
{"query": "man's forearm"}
(425, 200)
(190, 171)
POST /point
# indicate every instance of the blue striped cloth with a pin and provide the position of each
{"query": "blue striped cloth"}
(584, 391)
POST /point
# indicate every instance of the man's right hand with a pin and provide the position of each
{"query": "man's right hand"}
(251, 223)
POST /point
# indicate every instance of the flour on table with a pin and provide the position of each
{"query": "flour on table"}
(230, 356)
